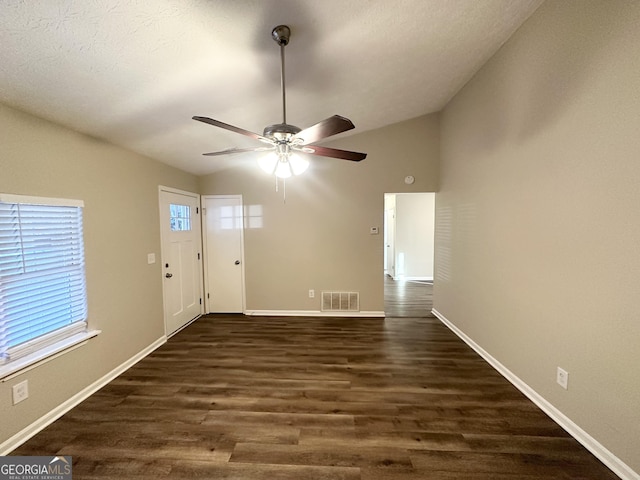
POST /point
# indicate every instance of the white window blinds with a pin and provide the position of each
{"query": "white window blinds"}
(42, 275)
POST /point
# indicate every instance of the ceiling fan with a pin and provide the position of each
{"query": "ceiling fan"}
(283, 141)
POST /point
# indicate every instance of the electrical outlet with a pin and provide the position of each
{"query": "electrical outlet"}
(312, 293)
(562, 378)
(20, 391)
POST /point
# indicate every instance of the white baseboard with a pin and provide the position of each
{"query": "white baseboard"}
(312, 313)
(605, 456)
(26, 433)
(409, 279)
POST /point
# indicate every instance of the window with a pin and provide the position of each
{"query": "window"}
(180, 217)
(42, 276)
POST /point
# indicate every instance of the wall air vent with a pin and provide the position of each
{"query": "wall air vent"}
(340, 301)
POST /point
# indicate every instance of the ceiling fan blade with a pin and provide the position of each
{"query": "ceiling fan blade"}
(325, 128)
(231, 128)
(332, 152)
(229, 151)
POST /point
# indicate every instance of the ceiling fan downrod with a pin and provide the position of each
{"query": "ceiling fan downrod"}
(281, 132)
(281, 35)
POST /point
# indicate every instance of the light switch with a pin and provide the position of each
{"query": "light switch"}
(151, 258)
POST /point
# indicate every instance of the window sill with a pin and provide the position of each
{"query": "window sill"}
(26, 363)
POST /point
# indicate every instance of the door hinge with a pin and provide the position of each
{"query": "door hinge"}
(198, 255)
(197, 210)
(200, 301)
(207, 295)
(204, 210)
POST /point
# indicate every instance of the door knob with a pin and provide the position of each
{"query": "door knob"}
(237, 262)
(169, 275)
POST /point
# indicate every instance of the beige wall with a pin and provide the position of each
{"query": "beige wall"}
(319, 239)
(121, 225)
(538, 215)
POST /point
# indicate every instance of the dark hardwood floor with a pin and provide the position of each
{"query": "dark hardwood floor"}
(235, 397)
(407, 298)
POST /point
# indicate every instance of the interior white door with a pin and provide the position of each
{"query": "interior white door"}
(224, 226)
(181, 263)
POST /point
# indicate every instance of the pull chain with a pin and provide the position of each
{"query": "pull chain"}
(284, 188)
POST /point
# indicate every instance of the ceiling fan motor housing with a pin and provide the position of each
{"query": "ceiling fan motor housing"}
(282, 129)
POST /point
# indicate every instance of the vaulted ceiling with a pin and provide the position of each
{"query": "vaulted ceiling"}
(134, 72)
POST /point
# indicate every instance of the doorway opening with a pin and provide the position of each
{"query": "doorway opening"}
(409, 225)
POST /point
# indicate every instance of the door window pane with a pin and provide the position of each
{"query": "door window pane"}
(180, 217)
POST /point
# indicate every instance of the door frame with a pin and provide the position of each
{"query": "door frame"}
(389, 235)
(163, 250)
(203, 199)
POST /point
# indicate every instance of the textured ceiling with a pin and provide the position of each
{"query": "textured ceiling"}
(134, 72)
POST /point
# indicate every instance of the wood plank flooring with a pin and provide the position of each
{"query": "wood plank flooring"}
(235, 397)
(407, 298)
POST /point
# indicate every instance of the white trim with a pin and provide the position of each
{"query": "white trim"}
(162, 188)
(313, 313)
(26, 433)
(409, 279)
(30, 200)
(620, 468)
(45, 354)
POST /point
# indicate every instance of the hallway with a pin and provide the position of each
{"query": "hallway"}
(407, 298)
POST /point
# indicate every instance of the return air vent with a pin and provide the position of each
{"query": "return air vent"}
(340, 301)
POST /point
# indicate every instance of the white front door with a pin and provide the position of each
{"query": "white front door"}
(181, 258)
(224, 226)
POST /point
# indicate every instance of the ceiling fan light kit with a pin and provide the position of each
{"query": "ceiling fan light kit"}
(285, 141)
(283, 166)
